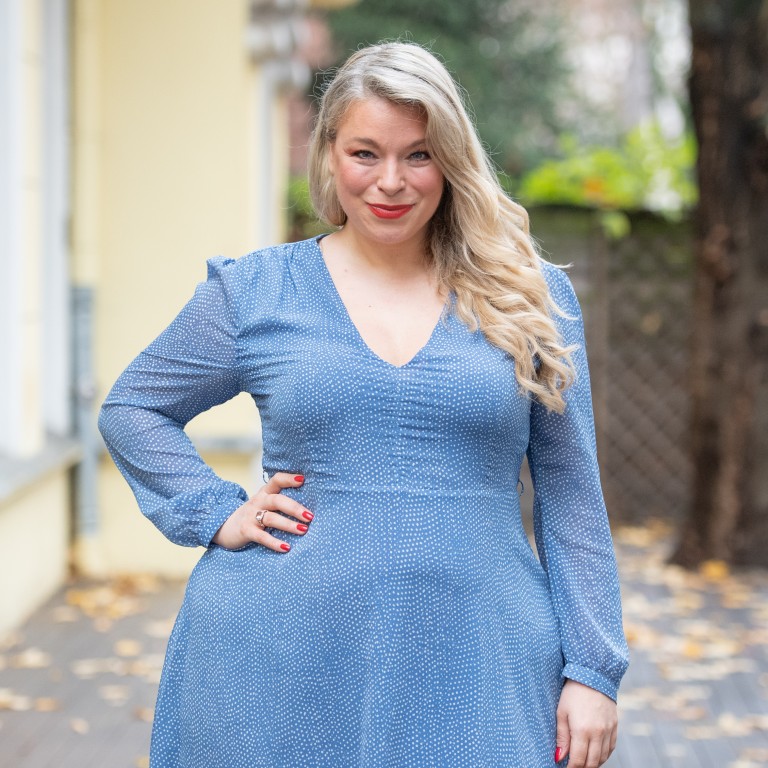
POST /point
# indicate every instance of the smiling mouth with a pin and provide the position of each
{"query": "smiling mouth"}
(389, 211)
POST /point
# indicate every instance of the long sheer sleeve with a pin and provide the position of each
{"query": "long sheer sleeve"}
(571, 529)
(190, 367)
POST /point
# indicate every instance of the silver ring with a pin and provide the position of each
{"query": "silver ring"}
(259, 519)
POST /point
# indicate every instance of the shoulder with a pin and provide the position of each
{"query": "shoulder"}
(557, 279)
(265, 264)
(560, 286)
(263, 284)
(263, 275)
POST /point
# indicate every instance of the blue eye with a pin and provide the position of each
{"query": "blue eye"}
(364, 154)
(421, 155)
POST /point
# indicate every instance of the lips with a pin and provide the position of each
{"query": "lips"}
(389, 211)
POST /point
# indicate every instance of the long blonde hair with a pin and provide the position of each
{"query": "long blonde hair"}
(478, 239)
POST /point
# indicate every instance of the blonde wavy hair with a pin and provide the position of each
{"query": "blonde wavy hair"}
(478, 239)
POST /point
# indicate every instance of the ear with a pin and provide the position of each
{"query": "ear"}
(330, 158)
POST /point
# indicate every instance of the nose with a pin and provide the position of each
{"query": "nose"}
(390, 179)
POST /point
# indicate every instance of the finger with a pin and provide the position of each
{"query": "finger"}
(285, 504)
(272, 519)
(605, 751)
(594, 754)
(563, 737)
(614, 736)
(260, 536)
(281, 480)
(579, 750)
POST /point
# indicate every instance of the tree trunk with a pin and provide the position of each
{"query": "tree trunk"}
(728, 517)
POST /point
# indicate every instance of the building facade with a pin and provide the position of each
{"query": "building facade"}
(137, 139)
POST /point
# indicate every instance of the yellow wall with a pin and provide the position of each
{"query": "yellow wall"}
(166, 137)
(34, 531)
(176, 127)
(165, 154)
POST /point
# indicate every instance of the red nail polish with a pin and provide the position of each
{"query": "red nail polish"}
(558, 754)
(301, 527)
(285, 547)
(307, 515)
(299, 478)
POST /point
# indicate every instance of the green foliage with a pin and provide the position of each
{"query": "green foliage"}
(299, 200)
(507, 56)
(303, 223)
(645, 172)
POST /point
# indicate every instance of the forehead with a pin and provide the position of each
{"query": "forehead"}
(376, 115)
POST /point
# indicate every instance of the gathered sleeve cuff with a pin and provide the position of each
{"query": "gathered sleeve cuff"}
(571, 528)
(192, 366)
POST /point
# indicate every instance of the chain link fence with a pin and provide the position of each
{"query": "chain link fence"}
(636, 293)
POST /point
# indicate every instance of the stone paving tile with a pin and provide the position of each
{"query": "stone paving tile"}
(78, 681)
(696, 693)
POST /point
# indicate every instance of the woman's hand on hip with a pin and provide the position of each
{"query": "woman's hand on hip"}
(282, 513)
(587, 725)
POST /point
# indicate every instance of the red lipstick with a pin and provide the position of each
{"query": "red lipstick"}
(389, 211)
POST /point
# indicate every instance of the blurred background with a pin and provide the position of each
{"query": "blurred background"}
(139, 138)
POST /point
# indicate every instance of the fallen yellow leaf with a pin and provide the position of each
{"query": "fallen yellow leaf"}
(31, 658)
(13, 701)
(126, 648)
(734, 726)
(714, 570)
(159, 629)
(11, 640)
(78, 725)
(146, 714)
(692, 650)
(63, 614)
(46, 704)
(114, 694)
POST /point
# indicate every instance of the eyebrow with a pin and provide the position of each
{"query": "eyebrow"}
(372, 143)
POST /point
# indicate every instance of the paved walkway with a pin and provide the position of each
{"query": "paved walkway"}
(77, 682)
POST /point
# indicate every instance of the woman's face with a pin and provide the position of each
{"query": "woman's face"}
(386, 182)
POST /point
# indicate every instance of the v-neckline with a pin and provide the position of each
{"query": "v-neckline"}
(344, 312)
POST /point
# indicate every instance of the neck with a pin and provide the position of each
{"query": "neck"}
(400, 259)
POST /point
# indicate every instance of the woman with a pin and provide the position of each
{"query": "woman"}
(377, 602)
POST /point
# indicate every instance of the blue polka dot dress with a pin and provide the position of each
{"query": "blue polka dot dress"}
(412, 626)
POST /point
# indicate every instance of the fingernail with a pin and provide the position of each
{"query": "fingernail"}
(299, 478)
(301, 527)
(558, 754)
(285, 547)
(307, 515)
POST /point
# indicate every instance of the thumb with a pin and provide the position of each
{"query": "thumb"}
(563, 737)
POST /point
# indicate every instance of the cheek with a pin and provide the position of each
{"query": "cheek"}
(351, 179)
(432, 185)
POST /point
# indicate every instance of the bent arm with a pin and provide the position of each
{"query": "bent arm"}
(570, 521)
(189, 368)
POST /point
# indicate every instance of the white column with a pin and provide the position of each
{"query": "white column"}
(21, 431)
(56, 341)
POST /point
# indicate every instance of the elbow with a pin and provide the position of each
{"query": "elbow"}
(103, 422)
(107, 422)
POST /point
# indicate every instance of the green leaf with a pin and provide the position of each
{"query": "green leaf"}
(647, 171)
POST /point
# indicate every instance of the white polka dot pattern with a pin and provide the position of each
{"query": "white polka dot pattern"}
(412, 626)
